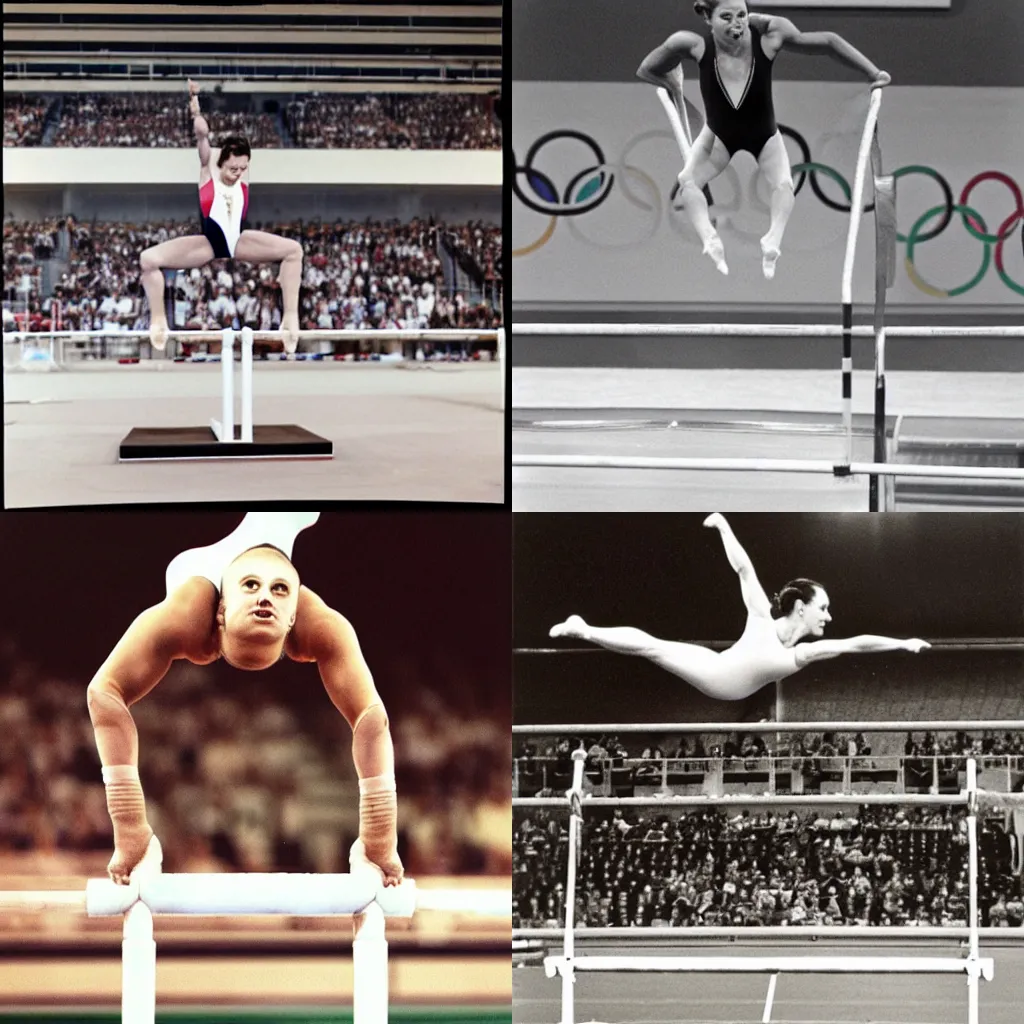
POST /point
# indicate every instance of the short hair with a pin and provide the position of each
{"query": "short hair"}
(233, 145)
(785, 600)
(705, 8)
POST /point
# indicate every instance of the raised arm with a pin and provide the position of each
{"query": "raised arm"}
(199, 125)
(661, 66)
(754, 596)
(782, 33)
(138, 662)
(331, 642)
(822, 650)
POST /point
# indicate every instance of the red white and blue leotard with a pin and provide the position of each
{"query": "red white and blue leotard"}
(220, 227)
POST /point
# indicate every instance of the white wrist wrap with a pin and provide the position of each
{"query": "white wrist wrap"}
(125, 802)
(378, 812)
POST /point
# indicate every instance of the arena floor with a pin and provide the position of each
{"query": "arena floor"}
(589, 411)
(739, 999)
(401, 432)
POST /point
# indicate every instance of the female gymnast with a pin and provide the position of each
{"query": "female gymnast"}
(735, 59)
(241, 600)
(223, 202)
(765, 653)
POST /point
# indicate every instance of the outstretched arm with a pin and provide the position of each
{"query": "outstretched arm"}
(346, 677)
(199, 125)
(138, 662)
(661, 66)
(822, 650)
(754, 596)
(783, 33)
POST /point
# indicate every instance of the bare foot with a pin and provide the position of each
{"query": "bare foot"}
(573, 626)
(769, 257)
(715, 521)
(714, 248)
(158, 335)
(290, 332)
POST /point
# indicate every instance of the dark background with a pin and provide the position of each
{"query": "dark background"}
(434, 588)
(934, 575)
(976, 42)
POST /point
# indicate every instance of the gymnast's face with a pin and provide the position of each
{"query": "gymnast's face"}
(259, 600)
(728, 20)
(234, 167)
(815, 614)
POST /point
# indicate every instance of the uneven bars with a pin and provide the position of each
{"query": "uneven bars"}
(671, 801)
(770, 466)
(382, 334)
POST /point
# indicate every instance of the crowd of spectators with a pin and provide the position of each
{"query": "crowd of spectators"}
(252, 778)
(24, 119)
(876, 866)
(447, 120)
(363, 275)
(149, 120)
(393, 121)
(479, 243)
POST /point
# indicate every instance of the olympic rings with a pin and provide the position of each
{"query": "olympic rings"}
(590, 187)
(912, 240)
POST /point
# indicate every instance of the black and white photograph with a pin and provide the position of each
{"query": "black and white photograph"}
(768, 767)
(766, 256)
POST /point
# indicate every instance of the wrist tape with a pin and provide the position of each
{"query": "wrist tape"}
(125, 802)
(378, 812)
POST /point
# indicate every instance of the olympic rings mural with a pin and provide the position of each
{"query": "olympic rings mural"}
(591, 185)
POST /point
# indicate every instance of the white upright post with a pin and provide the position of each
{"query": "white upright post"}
(973, 979)
(247, 385)
(575, 795)
(370, 967)
(138, 967)
(224, 428)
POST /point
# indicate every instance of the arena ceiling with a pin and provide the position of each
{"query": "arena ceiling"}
(377, 42)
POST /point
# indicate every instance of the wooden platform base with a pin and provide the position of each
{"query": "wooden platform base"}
(161, 444)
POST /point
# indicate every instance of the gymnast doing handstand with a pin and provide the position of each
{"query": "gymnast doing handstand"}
(241, 600)
(766, 652)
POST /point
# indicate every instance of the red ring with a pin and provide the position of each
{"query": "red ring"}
(995, 176)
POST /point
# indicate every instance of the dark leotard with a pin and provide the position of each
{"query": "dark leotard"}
(750, 125)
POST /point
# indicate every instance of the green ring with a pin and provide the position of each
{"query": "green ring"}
(986, 259)
(829, 172)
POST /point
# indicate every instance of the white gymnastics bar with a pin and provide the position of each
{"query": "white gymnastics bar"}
(568, 965)
(840, 469)
(360, 894)
(938, 725)
(639, 331)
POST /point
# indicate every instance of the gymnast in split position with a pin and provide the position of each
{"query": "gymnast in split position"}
(735, 57)
(223, 204)
(765, 653)
(241, 600)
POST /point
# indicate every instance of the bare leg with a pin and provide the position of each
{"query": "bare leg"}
(183, 253)
(276, 528)
(774, 164)
(708, 159)
(688, 661)
(264, 247)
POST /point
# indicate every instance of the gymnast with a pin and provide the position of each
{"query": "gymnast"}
(735, 58)
(223, 203)
(241, 600)
(765, 653)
